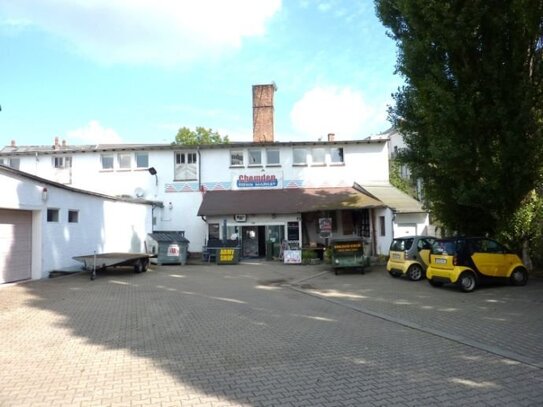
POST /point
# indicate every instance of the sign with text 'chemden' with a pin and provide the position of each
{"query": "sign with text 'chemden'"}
(258, 180)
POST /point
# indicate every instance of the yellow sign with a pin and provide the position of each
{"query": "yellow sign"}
(226, 255)
(347, 247)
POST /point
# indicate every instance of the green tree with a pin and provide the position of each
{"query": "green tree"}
(199, 136)
(471, 108)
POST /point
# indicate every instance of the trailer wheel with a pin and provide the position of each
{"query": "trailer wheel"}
(145, 265)
(138, 266)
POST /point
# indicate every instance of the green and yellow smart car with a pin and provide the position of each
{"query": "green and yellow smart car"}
(409, 256)
(470, 261)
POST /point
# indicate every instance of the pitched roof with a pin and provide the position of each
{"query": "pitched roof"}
(283, 201)
(30, 177)
(392, 197)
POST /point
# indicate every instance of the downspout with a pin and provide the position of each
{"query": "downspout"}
(199, 168)
(373, 233)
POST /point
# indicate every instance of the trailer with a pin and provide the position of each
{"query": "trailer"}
(101, 261)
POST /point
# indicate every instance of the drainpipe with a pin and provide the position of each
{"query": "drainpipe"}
(199, 168)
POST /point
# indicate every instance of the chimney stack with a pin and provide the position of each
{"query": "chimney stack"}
(331, 137)
(63, 143)
(263, 112)
(13, 143)
(56, 146)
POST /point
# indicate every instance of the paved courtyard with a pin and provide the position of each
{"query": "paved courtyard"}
(265, 334)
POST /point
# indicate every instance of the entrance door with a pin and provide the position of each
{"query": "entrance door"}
(249, 241)
(253, 241)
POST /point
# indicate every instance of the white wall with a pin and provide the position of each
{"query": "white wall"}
(363, 162)
(104, 225)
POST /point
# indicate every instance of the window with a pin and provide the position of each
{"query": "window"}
(214, 231)
(142, 160)
(62, 162)
(10, 162)
(255, 157)
(186, 167)
(336, 155)
(107, 161)
(299, 156)
(52, 215)
(124, 160)
(236, 158)
(73, 216)
(317, 156)
(273, 157)
(382, 226)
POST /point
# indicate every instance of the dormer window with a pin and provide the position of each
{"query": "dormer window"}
(186, 166)
(62, 162)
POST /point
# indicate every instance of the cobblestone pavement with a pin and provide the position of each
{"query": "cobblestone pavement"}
(265, 334)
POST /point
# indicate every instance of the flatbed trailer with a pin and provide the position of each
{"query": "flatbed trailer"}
(100, 261)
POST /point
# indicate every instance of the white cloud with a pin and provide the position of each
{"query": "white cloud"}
(162, 32)
(94, 133)
(331, 109)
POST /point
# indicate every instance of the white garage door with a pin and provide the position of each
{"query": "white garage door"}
(15, 245)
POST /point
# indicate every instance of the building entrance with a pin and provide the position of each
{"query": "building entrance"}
(253, 241)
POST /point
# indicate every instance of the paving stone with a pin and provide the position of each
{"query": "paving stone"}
(223, 336)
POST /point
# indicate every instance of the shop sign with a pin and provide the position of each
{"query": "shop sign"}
(292, 256)
(257, 180)
(173, 250)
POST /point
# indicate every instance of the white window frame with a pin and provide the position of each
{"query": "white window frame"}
(337, 159)
(122, 165)
(109, 157)
(237, 153)
(256, 155)
(321, 160)
(61, 162)
(143, 155)
(299, 149)
(273, 150)
(186, 166)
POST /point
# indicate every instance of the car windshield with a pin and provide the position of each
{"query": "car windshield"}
(399, 245)
(445, 247)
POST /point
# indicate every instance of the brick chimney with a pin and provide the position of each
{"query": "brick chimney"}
(13, 143)
(56, 146)
(263, 112)
(331, 137)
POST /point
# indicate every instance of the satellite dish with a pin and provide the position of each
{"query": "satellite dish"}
(139, 192)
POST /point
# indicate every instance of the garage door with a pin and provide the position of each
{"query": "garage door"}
(15, 245)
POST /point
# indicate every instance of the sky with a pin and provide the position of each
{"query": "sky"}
(135, 71)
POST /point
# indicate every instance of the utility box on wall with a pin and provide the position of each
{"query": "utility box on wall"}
(170, 247)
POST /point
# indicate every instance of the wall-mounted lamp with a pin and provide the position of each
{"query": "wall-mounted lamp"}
(152, 171)
(44, 194)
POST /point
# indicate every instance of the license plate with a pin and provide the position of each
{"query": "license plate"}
(441, 261)
(395, 255)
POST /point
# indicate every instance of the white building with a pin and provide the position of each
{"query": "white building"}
(262, 192)
(43, 224)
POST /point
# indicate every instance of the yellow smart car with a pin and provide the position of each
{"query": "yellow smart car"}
(470, 261)
(409, 256)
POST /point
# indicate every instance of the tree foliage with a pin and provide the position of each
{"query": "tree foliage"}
(199, 136)
(471, 108)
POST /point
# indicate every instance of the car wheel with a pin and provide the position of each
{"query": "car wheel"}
(434, 283)
(394, 273)
(519, 276)
(415, 272)
(467, 281)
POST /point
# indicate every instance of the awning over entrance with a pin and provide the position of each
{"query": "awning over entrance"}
(283, 201)
(392, 197)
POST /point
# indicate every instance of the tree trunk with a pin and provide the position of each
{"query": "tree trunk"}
(526, 256)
